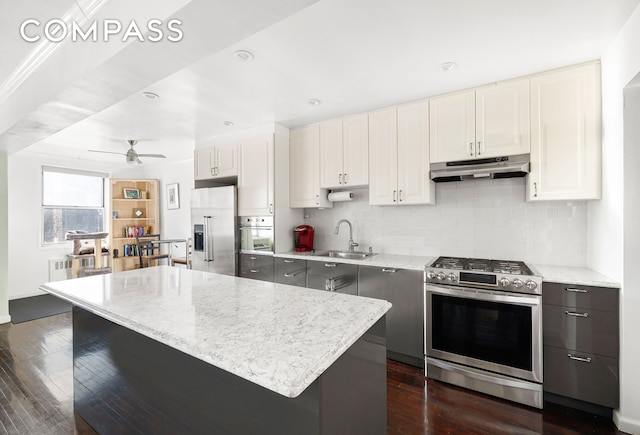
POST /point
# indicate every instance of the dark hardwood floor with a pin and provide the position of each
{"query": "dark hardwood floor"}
(36, 397)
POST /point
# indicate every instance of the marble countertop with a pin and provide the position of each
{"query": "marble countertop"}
(378, 260)
(574, 275)
(278, 336)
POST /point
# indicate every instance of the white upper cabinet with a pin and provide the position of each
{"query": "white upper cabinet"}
(256, 177)
(344, 152)
(216, 162)
(304, 167)
(566, 135)
(492, 121)
(399, 156)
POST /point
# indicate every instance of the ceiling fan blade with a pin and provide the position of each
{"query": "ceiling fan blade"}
(106, 152)
(159, 156)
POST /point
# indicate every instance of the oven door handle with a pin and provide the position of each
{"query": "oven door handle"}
(482, 295)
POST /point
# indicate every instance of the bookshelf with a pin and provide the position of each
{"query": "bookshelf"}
(130, 214)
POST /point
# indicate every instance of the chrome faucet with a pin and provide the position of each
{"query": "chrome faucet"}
(352, 244)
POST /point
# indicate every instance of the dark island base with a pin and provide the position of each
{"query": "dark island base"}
(125, 382)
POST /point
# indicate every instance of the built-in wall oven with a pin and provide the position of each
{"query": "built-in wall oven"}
(483, 327)
(256, 234)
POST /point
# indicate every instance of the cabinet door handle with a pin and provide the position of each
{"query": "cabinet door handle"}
(292, 274)
(254, 271)
(535, 189)
(213, 171)
(577, 358)
(270, 208)
(330, 264)
(289, 261)
(389, 270)
(253, 258)
(471, 149)
(479, 147)
(339, 178)
(394, 196)
(574, 314)
(344, 178)
(576, 290)
(327, 284)
(400, 195)
(317, 199)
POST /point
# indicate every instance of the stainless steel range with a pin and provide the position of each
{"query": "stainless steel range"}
(483, 327)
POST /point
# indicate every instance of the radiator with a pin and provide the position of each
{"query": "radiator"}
(61, 269)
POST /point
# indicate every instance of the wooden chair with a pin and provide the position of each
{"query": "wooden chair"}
(147, 251)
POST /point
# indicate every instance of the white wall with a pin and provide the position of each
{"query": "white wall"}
(4, 235)
(480, 218)
(174, 224)
(612, 248)
(28, 259)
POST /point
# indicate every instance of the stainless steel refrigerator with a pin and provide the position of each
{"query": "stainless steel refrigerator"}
(213, 224)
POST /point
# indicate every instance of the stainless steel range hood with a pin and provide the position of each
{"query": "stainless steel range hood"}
(494, 167)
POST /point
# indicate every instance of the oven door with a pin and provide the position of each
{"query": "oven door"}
(256, 240)
(489, 330)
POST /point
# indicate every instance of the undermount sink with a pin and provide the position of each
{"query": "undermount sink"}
(355, 255)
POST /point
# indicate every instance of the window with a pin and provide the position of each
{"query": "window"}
(71, 200)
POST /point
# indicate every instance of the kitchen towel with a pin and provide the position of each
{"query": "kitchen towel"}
(340, 196)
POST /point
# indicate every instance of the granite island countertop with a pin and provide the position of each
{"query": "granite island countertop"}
(277, 336)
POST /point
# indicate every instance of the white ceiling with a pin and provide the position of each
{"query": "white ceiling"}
(353, 55)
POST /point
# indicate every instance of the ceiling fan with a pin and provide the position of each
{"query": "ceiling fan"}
(131, 155)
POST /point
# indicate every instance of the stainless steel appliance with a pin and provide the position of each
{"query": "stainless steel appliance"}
(256, 235)
(213, 222)
(492, 167)
(483, 327)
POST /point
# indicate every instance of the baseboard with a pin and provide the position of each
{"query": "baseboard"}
(27, 295)
(625, 424)
(5, 319)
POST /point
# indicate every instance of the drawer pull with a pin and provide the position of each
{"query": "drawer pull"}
(253, 258)
(576, 290)
(571, 313)
(389, 270)
(577, 358)
(289, 261)
(330, 264)
(292, 274)
(254, 271)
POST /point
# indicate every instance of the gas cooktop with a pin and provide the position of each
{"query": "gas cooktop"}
(482, 265)
(484, 273)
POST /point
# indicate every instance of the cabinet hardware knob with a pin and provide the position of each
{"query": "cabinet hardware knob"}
(574, 314)
(576, 290)
(577, 358)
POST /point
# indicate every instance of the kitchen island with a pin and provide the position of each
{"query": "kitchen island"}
(171, 350)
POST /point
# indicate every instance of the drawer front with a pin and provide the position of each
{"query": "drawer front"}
(258, 267)
(580, 296)
(292, 272)
(596, 381)
(342, 277)
(582, 329)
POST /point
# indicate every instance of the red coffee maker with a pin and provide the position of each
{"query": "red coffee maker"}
(303, 236)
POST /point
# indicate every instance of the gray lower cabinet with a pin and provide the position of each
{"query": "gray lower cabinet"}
(581, 342)
(291, 271)
(405, 320)
(338, 277)
(254, 266)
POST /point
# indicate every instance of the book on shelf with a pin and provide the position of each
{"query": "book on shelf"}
(136, 231)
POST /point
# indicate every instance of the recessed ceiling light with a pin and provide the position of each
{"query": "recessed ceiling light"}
(243, 55)
(228, 123)
(447, 66)
(314, 102)
(151, 95)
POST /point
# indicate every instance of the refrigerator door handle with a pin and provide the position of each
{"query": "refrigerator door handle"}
(208, 241)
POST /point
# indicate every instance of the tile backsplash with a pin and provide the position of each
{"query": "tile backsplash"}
(480, 218)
